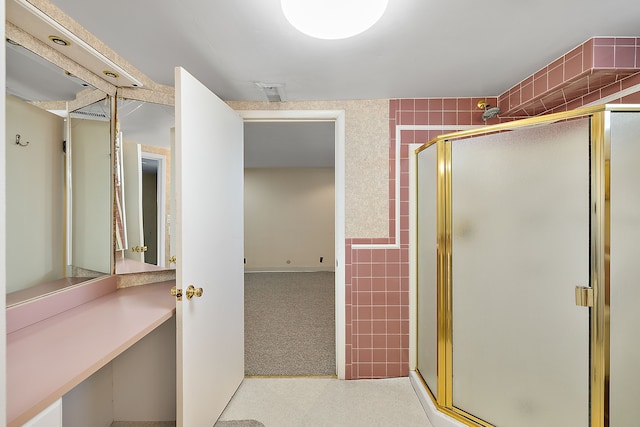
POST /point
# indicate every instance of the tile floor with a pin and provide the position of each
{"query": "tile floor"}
(309, 402)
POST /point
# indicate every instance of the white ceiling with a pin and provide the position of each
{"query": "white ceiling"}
(420, 48)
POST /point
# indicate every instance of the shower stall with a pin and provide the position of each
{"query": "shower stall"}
(528, 270)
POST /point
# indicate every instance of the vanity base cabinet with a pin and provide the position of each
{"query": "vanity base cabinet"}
(138, 385)
(50, 417)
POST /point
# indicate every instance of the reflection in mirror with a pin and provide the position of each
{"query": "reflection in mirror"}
(144, 195)
(37, 259)
(90, 150)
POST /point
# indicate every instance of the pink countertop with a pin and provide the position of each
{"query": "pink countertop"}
(47, 359)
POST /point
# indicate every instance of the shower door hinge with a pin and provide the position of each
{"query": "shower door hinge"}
(584, 296)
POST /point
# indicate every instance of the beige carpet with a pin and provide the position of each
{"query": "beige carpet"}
(233, 423)
(290, 324)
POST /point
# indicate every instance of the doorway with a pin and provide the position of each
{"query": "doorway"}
(335, 118)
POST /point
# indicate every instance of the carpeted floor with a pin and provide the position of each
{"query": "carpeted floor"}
(233, 423)
(290, 324)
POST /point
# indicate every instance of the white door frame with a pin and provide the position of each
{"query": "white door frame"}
(338, 117)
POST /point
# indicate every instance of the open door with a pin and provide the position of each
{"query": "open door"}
(209, 225)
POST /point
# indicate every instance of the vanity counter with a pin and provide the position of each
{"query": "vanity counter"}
(48, 358)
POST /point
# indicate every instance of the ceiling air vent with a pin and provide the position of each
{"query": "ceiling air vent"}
(273, 91)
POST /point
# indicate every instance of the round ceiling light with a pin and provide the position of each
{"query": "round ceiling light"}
(333, 19)
(59, 41)
(110, 74)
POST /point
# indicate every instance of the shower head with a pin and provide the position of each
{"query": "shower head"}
(489, 111)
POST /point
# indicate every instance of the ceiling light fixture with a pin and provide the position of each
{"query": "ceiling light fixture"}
(333, 19)
(110, 74)
(18, 16)
(59, 41)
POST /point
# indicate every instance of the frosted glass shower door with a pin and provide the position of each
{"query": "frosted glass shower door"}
(427, 282)
(625, 269)
(520, 245)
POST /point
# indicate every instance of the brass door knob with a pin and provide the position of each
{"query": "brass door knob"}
(172, 260)
(193, 291)
(176, 293)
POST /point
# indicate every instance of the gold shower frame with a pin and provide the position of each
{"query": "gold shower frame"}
(600, 179)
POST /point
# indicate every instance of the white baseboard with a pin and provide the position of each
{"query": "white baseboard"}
(286, 269)
(437, 418)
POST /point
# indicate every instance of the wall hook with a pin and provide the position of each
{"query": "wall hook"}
(22, 144)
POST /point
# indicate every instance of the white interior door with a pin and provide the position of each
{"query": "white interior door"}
(209, 179)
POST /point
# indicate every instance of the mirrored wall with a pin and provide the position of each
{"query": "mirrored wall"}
(144, 191)
(58, 178)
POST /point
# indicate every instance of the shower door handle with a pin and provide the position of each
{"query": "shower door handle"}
(584, 296)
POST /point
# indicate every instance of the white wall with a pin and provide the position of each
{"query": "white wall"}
(90, 402)
(3, 283)
(289, 219)
(144, 378)
(34, 195)
(138, 385)
(91, 156)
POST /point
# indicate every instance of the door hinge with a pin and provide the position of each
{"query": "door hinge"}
(584, 296)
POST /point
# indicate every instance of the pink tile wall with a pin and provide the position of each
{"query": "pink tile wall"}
(611, 90)
(377, 280)
(597, 63)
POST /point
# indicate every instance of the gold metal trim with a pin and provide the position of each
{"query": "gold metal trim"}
(584, 296)
(443, 221)
(467, 418)
(176, 292)
(531, 121)
(454, 413)
(596, 296)
(600, 280)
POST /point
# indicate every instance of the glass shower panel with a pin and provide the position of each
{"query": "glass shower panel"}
(625, 269)
(427, 268)
(520, 220)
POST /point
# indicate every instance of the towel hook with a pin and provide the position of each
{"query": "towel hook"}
(22, 144)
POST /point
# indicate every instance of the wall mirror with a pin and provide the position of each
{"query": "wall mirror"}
(48, 223)
(143, 186)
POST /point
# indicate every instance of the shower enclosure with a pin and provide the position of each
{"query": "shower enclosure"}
(528, 270)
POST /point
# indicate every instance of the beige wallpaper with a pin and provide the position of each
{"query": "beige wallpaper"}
(366, 158)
